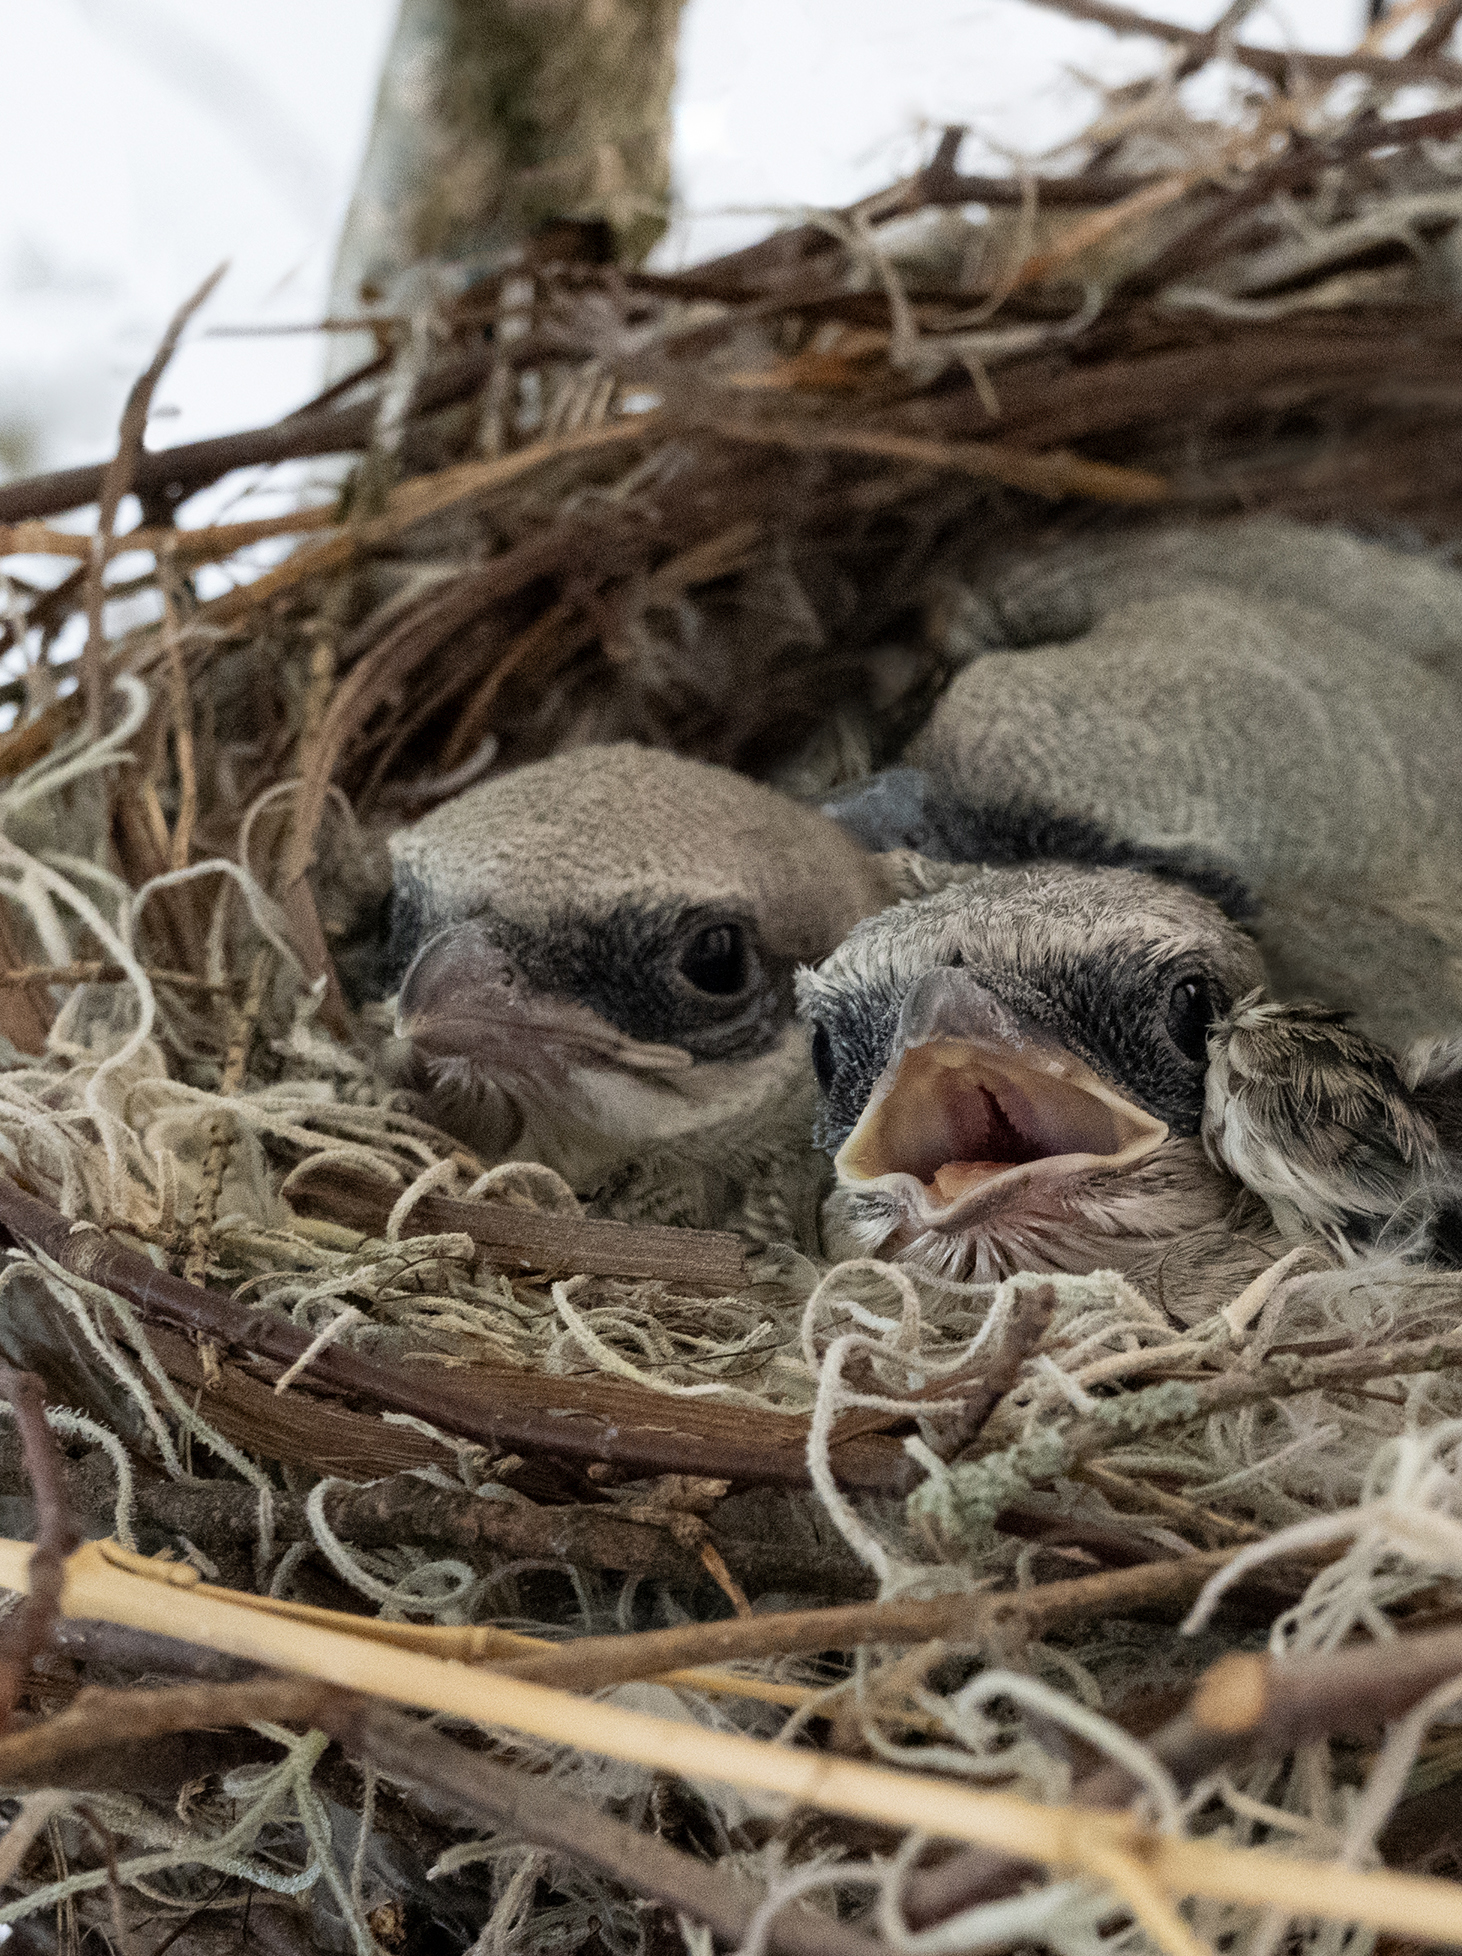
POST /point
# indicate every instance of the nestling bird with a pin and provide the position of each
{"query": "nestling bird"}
(1266, 712)
(1063, 1068)
(601, 946)
(596, 955)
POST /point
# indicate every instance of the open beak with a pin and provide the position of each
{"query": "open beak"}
(977, 1103)
(464, 999)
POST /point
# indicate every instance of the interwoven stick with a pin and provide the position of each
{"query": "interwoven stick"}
(1106, 1845)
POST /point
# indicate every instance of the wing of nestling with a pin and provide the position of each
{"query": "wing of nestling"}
(1329, 1129)
(1071, 1068)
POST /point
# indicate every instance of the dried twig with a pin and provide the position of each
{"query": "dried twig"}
(593, 1419)
(97, 972)
(27, 1630)
(708, 1258)
(1245, 1707)
(592, 1663)
(174, 473)
(1142, 1865)
(486, 1794)
(1272, 65)
(117, 478)
(100, 1721)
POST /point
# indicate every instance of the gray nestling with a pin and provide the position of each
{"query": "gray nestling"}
(1267, 712)
(1068, 1068)
(596, 957)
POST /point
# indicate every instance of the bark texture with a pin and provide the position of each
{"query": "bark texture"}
(498, 120)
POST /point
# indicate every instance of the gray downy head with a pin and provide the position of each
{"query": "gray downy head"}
(1012, 1069)
(608, 941)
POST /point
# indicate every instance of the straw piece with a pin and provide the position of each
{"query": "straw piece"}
(1059, 1836)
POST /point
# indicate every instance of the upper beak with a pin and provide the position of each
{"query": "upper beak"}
(464, 998)
(975, 1101)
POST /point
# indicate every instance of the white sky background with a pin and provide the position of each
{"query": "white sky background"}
(145, 140)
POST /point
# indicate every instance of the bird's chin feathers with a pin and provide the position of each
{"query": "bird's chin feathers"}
(586, 1121)
(1084, 1223)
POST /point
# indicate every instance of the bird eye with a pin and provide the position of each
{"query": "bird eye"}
(822, 1058)
(1191, 1012)
(715, 960)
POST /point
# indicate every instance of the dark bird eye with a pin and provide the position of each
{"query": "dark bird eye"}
(822, 1058)
(1191, 1012)
(715, 960)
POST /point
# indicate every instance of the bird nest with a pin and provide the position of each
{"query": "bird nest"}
(353, 1405)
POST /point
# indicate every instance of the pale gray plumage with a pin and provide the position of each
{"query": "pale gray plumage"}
(1060, 1068)
(549, 929)
(1249, 702)
(1270, 713)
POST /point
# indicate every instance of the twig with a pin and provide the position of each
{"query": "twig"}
(1273, 66)
(576, 1419)
(1438, 31)
(182, 839)
(1142, 1495)
(201, 546)
(1245, 1707)
(530, 1241)
(1079, 1838)
(117, 478)
(1049, 474)
(1301, 162)
(176, 472)
(1276, 1706)
(98, 1720)
(27, 1630)
(592, 1663)
(98, 972)
(1155, 1407)
(488, 1795)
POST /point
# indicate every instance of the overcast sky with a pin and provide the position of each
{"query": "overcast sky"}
(145, 140)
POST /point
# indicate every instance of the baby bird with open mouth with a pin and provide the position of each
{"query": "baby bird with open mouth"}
(1062, 1068)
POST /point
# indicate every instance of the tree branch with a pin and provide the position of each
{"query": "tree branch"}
(575, 1419)
(488, 1795)
(26, 1632)
(592, 1663)
(1273, 65)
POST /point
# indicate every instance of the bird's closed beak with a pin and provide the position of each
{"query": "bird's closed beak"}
(977, 1102)
(464, 1000)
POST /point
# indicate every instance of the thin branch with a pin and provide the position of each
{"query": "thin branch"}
(576, 1419)
(1273, 65)
(58, 1749)
(97, 972)
(118, 477)
(1276, 1706)
(1245, 1707)
(488, 1795)
(1438, 31)
(561, 1244)
(175, 473)
(26, 1632)
(1052, 473)
(592, 1663)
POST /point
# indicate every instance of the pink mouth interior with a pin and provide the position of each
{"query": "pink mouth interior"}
(957, 1115)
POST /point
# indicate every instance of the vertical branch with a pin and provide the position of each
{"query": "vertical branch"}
(115, 483)
(27, 1630)
(497, 120)
(182, 839)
